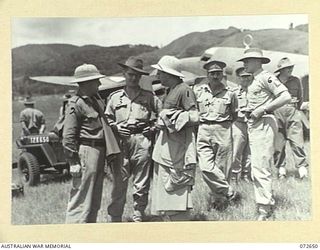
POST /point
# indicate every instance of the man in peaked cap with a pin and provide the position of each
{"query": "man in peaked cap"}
(31, 119)
(87, 139)
(265, 94)
(217, 110)
(290, 124)
(174, 152)
(129, 112)
(241, 164)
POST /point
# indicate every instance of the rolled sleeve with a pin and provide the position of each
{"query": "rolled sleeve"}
(71, 129)
(274, 85)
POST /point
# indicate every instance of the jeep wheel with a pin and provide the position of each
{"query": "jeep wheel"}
(28, 168)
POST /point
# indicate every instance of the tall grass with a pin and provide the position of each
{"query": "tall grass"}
(46, 203)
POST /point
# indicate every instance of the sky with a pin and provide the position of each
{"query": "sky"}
(155, 31)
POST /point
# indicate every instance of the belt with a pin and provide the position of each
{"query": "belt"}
(295, 105)
(93, 142)
(213, 122)
(136, 130)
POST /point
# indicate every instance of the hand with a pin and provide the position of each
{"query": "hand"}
(146, 131)
(75, 170)
(123, 131)
(257, 113)
(26, 131)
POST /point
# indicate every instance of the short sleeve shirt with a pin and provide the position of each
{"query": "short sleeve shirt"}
(218, 106)
(241, 95)
(32, 118)
(294, 87)
(120, 108)
(264, 88)
(180, 97)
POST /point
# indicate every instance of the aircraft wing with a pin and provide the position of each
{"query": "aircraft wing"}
(231, 55)
(107, 83)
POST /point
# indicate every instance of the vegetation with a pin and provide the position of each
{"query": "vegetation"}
(62, 59)
(293, 196)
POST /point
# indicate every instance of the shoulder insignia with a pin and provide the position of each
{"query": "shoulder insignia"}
(116, 92)
(74, 99)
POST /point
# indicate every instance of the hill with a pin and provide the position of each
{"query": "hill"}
(194, 44)
(61, 59)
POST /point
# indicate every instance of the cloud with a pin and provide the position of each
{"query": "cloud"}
(143, 30)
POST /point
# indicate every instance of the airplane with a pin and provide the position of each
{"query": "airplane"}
(192, 68)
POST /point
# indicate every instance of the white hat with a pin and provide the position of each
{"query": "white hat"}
(86, 72)
(255, 53)
(284, 63)
(170, 65)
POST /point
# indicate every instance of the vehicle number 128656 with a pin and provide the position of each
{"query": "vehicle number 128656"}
(39, 139)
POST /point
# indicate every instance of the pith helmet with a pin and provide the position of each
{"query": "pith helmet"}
(255, 53)
(284, 63)
(86, 72)
(170, 65)
(134, 63)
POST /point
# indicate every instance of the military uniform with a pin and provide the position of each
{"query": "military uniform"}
(241, 150)
(135, 114)
(214, 142)
(33, 119)
(262, 91)
(86, 141)
(290, 126)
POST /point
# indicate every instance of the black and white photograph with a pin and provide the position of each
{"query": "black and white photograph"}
(160, 119)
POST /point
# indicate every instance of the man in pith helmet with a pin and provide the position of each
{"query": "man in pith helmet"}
(265, 94)
(88, 140)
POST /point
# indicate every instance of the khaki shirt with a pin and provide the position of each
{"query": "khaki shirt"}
(82, 121)
(215, 107)
(294, 87)
(241, 95)
(33, 118)
(264, 88)
(121, 109)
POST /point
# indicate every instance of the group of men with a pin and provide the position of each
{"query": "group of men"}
(226, 132)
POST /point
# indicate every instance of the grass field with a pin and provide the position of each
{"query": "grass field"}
(46, 203)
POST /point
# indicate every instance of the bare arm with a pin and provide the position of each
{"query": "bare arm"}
(42, 129)
(283, 99)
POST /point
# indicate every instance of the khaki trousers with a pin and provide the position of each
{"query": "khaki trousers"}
(292, 132)
(261, 139)
(134, 160)
(86, 192)
(241, 162)
(214, 150)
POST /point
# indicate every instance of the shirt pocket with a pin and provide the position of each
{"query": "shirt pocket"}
(242, 101)
(92, 120)
(222, 105)
(294, 92)
(140, 110)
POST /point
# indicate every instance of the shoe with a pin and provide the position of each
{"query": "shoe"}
(220, 204)
(234, 197)
(137, 216)
(303, 172)
(262, 217)
(282, 172)
(114, 218)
